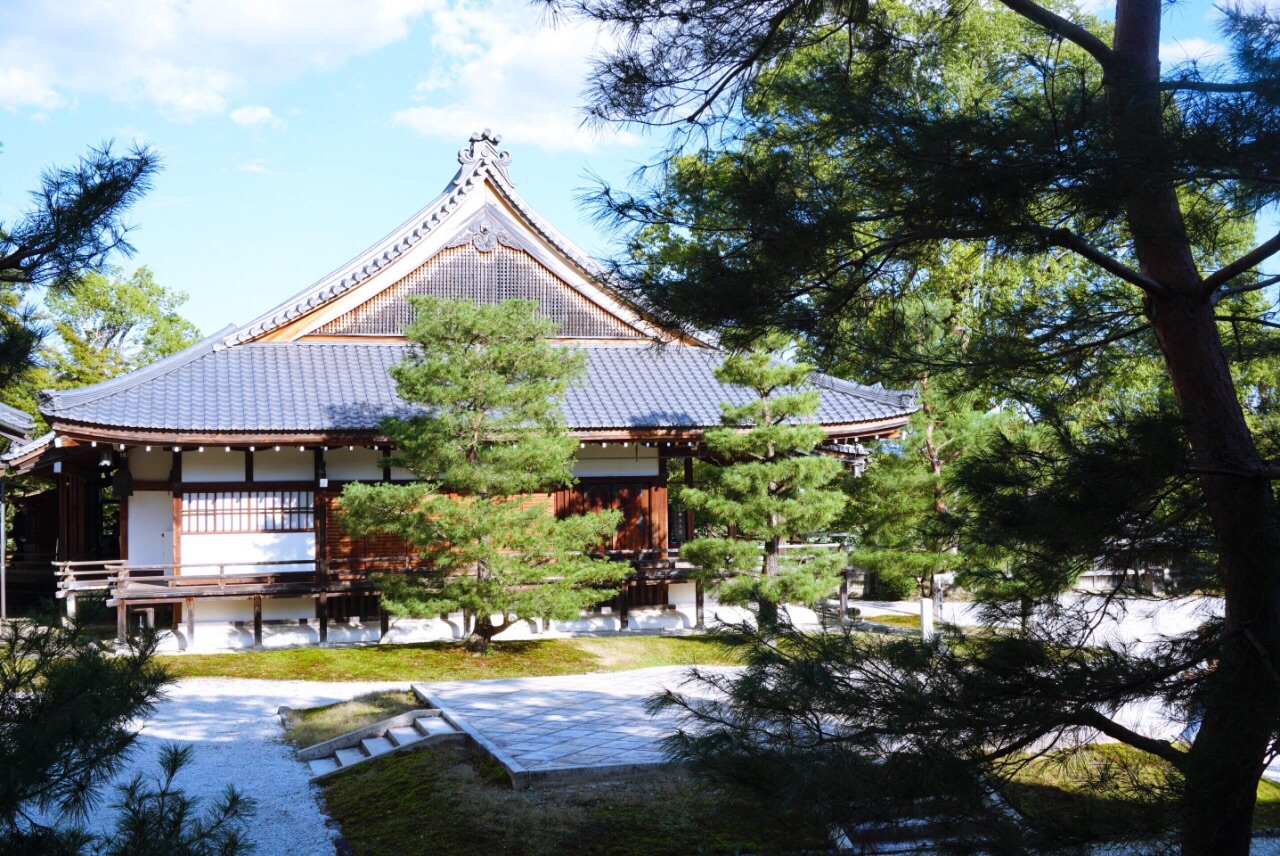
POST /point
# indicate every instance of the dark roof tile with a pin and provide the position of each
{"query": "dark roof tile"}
(299, 387)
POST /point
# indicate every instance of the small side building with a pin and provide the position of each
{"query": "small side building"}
(199, 492)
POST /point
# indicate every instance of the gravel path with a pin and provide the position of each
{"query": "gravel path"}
(236, 736)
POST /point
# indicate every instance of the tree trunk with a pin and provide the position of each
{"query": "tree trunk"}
(481, 638)
(1226, 759)
(768, 607)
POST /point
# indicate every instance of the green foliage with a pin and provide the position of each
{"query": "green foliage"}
(856, 146)
(806, 721)
(487, 430)
(66, 707)
(73, 226)
(160, 820)
(107, 325)
(69, 707)
(766, 481)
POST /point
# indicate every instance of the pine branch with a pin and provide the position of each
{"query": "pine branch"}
(1248, 261)
(1069, 240)
(1266, 85)
(1060, 26)
(1160, 748)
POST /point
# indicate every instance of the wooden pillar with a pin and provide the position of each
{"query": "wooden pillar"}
(175, 484)
(844, 597)
(384, 621)
(257, 621)
(321, 521)
(191, 622)
(122, 623)
(322, 613)
(688, 482)
(698, 600)
(624, 619)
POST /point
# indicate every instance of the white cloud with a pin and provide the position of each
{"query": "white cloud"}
(1188, 50)
(23, 87)
(1096, 7)
(498, 65)
(256, 116)
(190, 57)
(256, 167)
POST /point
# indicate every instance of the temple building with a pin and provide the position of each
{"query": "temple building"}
(199, 492)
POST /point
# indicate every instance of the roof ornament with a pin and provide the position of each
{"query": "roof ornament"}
(485, 233)
(483, 154)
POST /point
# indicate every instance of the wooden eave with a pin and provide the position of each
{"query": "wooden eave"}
(75, 433)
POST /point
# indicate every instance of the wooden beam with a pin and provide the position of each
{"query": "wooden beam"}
(322, 614)
(624, 617)
(122, 623)
(191, 622)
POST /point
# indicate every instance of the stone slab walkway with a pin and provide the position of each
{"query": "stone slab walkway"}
(567, 722)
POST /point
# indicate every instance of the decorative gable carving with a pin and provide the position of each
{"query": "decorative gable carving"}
(485, 265)
(485, 234)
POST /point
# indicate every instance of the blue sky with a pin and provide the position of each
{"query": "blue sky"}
(296, 132)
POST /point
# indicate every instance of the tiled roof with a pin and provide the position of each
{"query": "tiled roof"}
(15, 422)
(480, 163)
(322, 387)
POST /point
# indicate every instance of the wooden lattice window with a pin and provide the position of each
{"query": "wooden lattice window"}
(484, 277)
(249, 511)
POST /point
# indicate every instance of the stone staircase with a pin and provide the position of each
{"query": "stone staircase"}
(415, 729)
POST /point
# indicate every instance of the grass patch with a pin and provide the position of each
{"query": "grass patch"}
(1106, 790)
(912, 622)
(438, 801)
(906, 622)
(435, 661)
(313, 725)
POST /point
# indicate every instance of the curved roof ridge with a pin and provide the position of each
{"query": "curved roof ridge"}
(18, 450)
(892, 397)
(18, 421)
(60, 398)
(480, 161)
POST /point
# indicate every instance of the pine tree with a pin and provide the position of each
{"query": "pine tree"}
(68, 711)
(485, 437)
(860, 140)
(73, 226)
(765, 480)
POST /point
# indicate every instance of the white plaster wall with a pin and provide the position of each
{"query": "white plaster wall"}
(150, 466)
(288, 464)
(236, 609)
(150, 521)
(248, 547)
(213, 465)
(401, 473)
(682, 594)
(357, 464)
(635, 459)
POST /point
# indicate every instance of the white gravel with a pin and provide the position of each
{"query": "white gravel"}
(237, 739)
